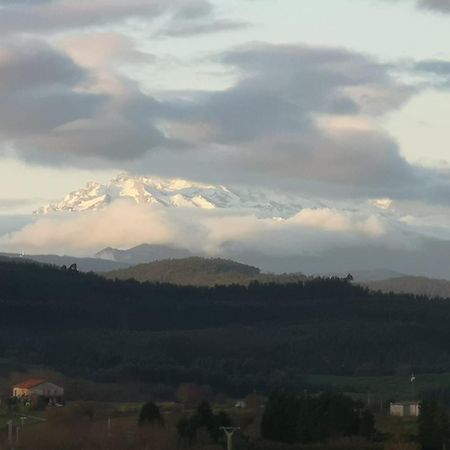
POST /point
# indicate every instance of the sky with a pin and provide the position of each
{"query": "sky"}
(343, 100)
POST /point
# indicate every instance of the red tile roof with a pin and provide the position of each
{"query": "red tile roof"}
(29, 384)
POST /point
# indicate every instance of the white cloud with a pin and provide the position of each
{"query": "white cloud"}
(124, 224)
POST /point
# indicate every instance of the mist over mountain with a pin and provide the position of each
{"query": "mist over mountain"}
(428, 257)
(427, 287)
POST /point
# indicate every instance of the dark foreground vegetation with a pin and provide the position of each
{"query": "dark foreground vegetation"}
(287, 421)
(237, 339)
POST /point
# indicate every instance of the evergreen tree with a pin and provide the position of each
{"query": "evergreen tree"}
(203, 417)
(433, 426)
(281, 417)
(150, 414)
(306, 419)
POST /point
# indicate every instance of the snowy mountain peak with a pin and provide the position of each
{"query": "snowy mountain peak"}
(177, 193)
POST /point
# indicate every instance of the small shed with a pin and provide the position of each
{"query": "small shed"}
(405, 409)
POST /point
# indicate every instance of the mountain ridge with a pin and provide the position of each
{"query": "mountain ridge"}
(143, 253)
(84, 264)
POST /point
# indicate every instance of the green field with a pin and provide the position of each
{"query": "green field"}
(387, 387)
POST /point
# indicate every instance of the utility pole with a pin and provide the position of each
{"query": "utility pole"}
(229, 432)
(413, 387)
(10, 433)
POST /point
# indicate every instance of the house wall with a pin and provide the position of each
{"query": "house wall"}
(404, 409)
(47, 390)
(42, 390)
(19, 392)
(397, 410)
(414, 410)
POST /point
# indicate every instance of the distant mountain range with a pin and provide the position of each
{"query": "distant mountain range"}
(142, 254)
(428, 287)
(83, 264)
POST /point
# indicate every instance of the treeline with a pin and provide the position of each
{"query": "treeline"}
(237, 339)
(306, 419)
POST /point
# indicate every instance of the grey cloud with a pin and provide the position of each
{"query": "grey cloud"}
(54, 16)
(24, 2)
(30, 64)
(270, 117)
(267, 128)
(437, 66)
(49, 118)
(442, 6)
(194, 10)
(190, 28)
(185, 17)
(437, 5)
(438, 71)
(316, 78)
(196, 18)
(37, 88)
(366, 159)
(283, 88)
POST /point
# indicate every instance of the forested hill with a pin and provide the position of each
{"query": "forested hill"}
(197, 271)
(234, 338)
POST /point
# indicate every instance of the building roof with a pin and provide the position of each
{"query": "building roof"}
(29, 384)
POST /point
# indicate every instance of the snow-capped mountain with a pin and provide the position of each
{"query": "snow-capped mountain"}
(176, 193)
(180, 193)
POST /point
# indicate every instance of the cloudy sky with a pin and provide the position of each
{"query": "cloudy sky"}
(346, 100)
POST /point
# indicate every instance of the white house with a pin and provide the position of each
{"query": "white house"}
(405, 409)
(35, 388)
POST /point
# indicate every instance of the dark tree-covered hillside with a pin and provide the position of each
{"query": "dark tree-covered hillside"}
(237, 339)
(197, 271)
